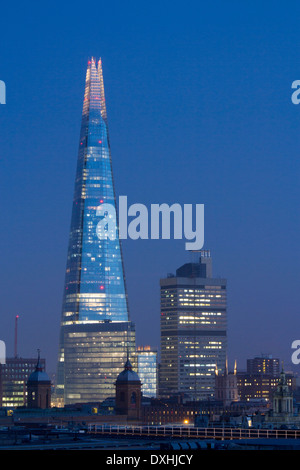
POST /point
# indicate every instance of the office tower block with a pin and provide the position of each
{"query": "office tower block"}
(13, 379)
(264, 364)
(96, 333)
(147, 370)
(261, 386)
(193, 325)
(261, 378)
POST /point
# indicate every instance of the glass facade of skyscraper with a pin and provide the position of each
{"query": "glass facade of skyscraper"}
(94, 285)
(95, 291)
(93, 359)
(147, 370)
(193, 331)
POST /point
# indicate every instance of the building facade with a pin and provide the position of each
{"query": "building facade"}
(283, 412)
(226, 389)
(147, 370)
(260, 386)
(128, 393)
(193, 330)
(13, 378)
(96, 331)
(264, 364)
(283, 398)
(39, 388)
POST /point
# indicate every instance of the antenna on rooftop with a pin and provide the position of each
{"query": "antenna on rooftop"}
(16, 336)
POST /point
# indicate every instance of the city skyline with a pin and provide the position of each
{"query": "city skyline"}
(207, 119)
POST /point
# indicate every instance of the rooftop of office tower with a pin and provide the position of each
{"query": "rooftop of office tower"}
(202, 268)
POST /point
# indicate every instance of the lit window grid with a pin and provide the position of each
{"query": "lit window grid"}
(187, 309)
(93, 361)
(147, 371)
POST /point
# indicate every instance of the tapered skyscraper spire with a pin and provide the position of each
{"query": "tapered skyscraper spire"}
(102, 94)
(94, 286)
(95, 291)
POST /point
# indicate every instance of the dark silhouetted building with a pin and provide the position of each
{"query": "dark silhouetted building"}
(226, 389)
(39, 388)
(128, 393)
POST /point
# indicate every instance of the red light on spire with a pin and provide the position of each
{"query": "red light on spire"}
(101, 287)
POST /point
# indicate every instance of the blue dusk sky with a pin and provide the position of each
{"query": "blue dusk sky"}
(199, 111)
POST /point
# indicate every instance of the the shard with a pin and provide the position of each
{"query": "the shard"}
(95, 333)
